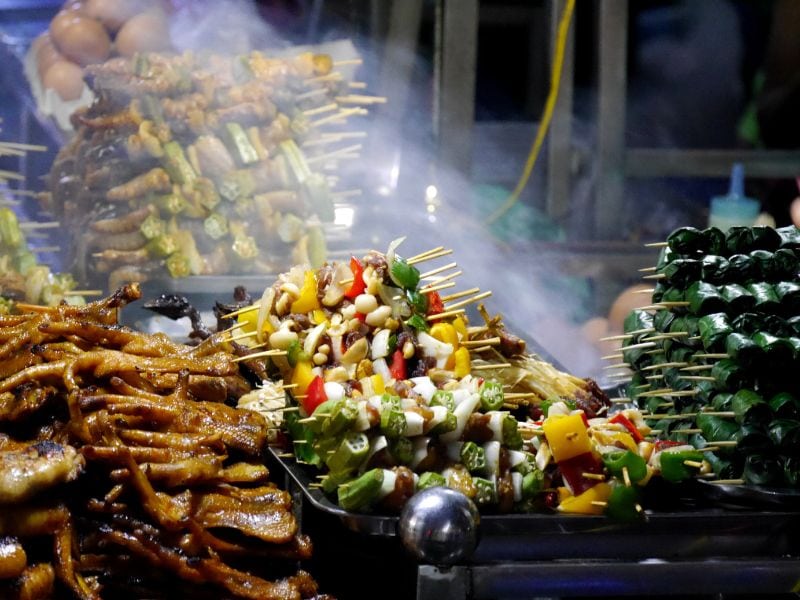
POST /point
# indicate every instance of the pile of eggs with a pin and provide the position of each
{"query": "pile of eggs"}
(90, 31)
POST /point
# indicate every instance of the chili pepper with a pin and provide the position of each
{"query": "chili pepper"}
(737, 297)
(358, 286)
(491, 395)
(397, 368)
(673, 464)
(430, 479)
(403, 274)
(623, 504)
(315, 395)
(714, 329)
(617, 462)
(435, 304)
(361, 493)
(628, 424)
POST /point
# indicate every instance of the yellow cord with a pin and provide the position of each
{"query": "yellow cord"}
(547, 116)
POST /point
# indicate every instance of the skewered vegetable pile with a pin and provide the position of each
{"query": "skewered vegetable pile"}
(714, 365)
(191, 164)
(124, 473)
(22, 277)
(391, 391)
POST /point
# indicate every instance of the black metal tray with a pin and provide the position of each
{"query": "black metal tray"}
(696, 525)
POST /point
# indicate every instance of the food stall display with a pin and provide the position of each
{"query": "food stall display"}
(391, 391)
(714, 357)
(203, 164)
(124, 472)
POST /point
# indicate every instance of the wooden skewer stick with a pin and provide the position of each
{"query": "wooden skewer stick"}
(698, 368)
(317, 92)
(321, 109)
(334, 153)
(342, 114)
(656, 276)
(644, 291)
(426, 253)
(594, 476)
(490, 366)
(693, 463)
(711, 355)
(620, 400)
(82, 293)
(479, 349)
(697, 378)
(637, 346)
(446, 315)
(468, 301)
(348, 61)
(333, 76)
(611, 356)
(473, 331)
(438, 280)
(430, 288)
(242, 311)
(520, 395)
(726, 443)
(357, 85)
(242, 336)
(413, 261)
(360, 99)
(436, 271)
(727, 481)
(263, 354)
(459, 294)
(494, 341)
(21, 146)
(42, 225)
(11, 175)
(656, 245)
(657, 392)
(648, 270)
(654, 377)
(664, 366)
(625, 336)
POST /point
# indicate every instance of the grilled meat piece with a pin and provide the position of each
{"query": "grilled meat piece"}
(26, 473)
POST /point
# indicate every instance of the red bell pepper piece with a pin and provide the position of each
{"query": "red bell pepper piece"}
(358, 285)
(361, 317)
(315, 395)
(435, 304)
(664, 444)
(398, 367)
(627, 424)
(572, 471)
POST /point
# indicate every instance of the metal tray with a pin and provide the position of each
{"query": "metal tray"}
(694, 526)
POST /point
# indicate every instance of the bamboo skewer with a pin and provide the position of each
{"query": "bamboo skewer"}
(490, 366)
(425, 254)
(697, 378)
(348, 61)
(334, 153)
(263, 354)
(494, 341)
(618, 366)
(321, 109)
(342, 114)
(698, 368)
(458, 295)
(242, 311)
(626, 336)
(446, 314)
(360, 99)
(468, 301)
(413, 261)
(666, 365)
(656, 245)
(430, 288)
(432, 272)
(82, 293)
(38, 225)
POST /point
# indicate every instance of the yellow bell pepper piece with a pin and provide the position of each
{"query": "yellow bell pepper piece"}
(378, 386)
(582, 504)
(446, 333)
(308, 300)
(463, 365)
(302, 376)
(249, 322)
(616, 438)
(460, 325)
(318, 316)
(567, 436)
